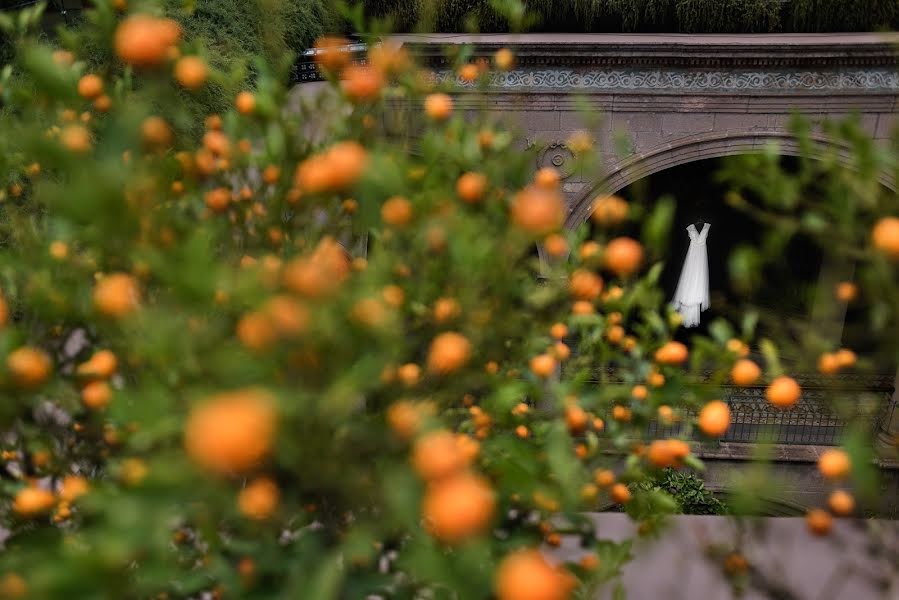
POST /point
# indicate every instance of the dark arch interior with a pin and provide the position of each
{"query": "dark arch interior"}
(789, 284)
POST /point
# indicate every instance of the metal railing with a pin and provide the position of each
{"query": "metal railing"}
(812, 421)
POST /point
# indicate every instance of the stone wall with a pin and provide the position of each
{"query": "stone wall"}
(657, 101)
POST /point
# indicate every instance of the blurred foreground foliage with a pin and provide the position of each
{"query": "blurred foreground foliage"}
(284, 351)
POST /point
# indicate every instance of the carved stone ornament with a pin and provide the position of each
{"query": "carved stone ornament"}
(557, 155)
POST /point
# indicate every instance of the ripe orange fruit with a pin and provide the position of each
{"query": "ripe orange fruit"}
(621, 413)
(396, 212)
(217, 199)
(145, 41)
(116, 295)
(846, 291)
(885, 237)
(213, 122)
(610, 211)
(736, 564)
(575, 418)
(667, 453)
(289, 316)
(623, 256)
(331, 53)
(370, 312)
(438, 107)
(543, 365)
(561, 350)
(231, 431)
(405, 418)
(672, 353)
(33, 502)
(362, 84)
(76, 138)
(828, 364)
(526, 575)
(471, 187)
(639, 392)
(271, 174)
(155, 132)
(90, 86)
(103, 103)
(437, 455)
(615, 334)
(556, 245)
(12, 585)
(666, 414)
(538, 211)
(504, 59)
(133, 471)
(335, 169)
(589, 251)
(446, 309)
(458, 507)
(486, 138)
(409, 374)
(547, 178)
(321, 274)
(604, 478)
(745, 372)
(469, 73)
(819, 521)
(783, 392)
(259, 499)
(245, 102)
(256, 331)
(522, 432)
(103, 365)
(845, 358)
(448, 353)
(656, 380)
(217, 143)
(558, 331)
(73, 487)
(834, 464)
(96, 395)
(841, 503)
(29, 367)
(191, 72)
(389, 57)
(582, 307)
(585, 285)
(619, 493)
(63, 58)
(714, 418)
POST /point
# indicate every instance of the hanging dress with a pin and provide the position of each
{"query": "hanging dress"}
(692, 294)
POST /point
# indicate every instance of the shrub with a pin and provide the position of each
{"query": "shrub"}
(206, 392)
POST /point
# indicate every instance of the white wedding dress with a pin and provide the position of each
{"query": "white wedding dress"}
(692, 295)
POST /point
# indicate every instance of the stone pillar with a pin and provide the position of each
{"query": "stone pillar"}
(888, 436)
(828, 315)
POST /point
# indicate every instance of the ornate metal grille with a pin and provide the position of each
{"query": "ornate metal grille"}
(811, 421)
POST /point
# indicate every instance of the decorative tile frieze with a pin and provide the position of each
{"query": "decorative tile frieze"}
(535, 80)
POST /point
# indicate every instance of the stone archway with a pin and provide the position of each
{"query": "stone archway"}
(694, 148)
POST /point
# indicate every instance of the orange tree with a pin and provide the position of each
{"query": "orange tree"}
(206, 390)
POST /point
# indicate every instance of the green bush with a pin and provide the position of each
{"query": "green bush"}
(688, 490)
(836, 15)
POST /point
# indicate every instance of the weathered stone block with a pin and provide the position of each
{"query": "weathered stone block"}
(676, 124)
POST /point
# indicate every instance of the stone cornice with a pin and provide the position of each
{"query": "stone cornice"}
(794, 51)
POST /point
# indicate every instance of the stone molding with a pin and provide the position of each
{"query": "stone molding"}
(611, 51)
